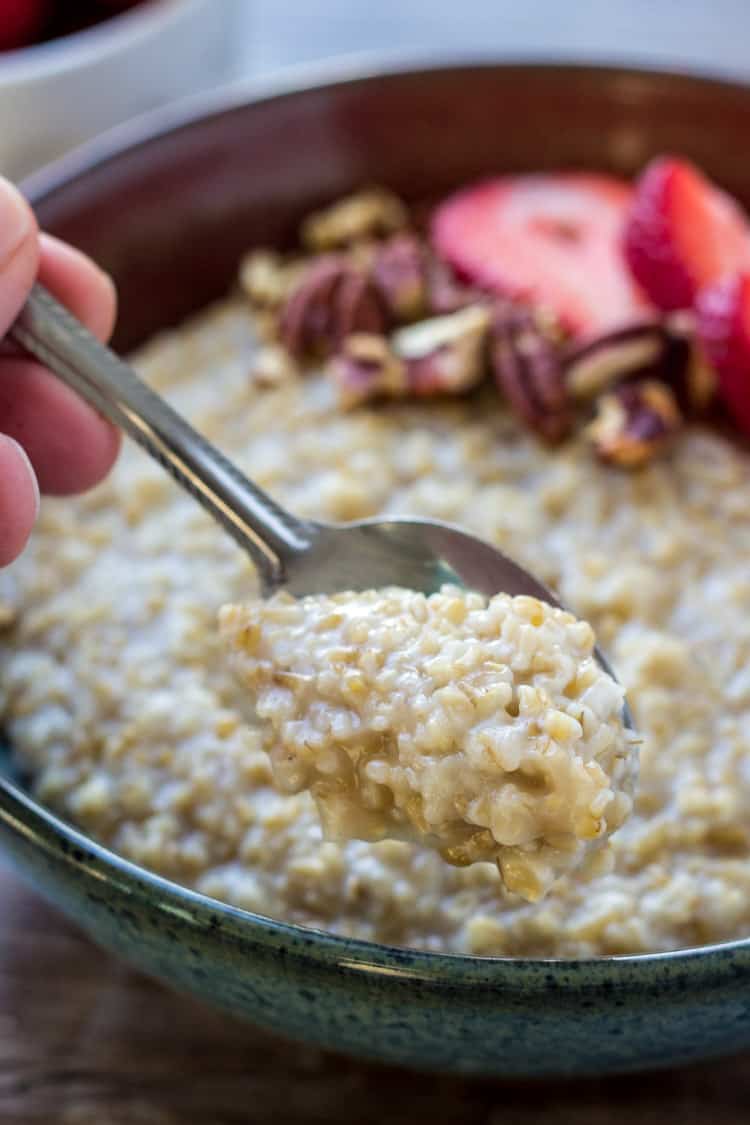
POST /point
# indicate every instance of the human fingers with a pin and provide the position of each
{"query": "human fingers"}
(19, 499)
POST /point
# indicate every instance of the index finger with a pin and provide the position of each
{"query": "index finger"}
(69, 444)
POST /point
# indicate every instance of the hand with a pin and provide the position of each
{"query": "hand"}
(49, 438)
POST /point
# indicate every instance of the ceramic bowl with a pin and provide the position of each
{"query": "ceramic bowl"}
(55, 95)
(167, 208)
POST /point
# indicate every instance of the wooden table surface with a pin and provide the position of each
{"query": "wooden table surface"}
(86, 1041)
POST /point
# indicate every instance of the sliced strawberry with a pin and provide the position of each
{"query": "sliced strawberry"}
(682, 233)
(723, 323)
(552, 239)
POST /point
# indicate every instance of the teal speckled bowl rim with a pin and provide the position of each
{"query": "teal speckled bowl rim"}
(61, 841)
(58, 840)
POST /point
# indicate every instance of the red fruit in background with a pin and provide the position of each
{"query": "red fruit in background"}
(682, 233)
(551, 239)
(723, 323)
(21, 22)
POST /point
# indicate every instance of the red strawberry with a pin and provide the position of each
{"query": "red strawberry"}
(552, 239)
(723, 323)
(20, 22)
(682, 232)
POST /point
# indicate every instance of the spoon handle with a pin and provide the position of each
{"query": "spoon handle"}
(51, 334)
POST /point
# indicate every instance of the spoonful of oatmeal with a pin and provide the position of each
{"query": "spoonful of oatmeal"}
(485, 728)
(424, 685)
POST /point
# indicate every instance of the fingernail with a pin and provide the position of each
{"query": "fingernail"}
(16, 220)
(25, 458)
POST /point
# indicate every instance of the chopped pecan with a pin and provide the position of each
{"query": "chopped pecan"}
(446, 294)
(267, 279)
(331, 300)
(399, 271)
(8, 615)
(367, 368)
(599, 364)
(445, 354)
(372, 213)
(634, 423)
(271, 366)
(666, 350)
(526, 365)
(686, 367)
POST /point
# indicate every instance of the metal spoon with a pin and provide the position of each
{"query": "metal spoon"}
(305, 556)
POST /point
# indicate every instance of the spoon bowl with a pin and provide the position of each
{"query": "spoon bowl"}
(414, 553)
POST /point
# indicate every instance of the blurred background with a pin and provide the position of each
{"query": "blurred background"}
(72, 68)
(702, 32)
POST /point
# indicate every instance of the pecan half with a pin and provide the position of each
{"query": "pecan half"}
(445, 354)
(399, 271)
(372, 213)
(527, 368)
(634, 423)
(367, 368)
(331, 300)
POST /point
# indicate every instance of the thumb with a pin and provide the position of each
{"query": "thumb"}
(19, 499)
(19, 253)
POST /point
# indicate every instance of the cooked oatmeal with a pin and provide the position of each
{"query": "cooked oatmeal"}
(483, 728)
(119, 700)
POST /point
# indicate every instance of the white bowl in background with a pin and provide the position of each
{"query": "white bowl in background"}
(56, 94)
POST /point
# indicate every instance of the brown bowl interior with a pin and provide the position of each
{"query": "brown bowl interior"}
(170, 215)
